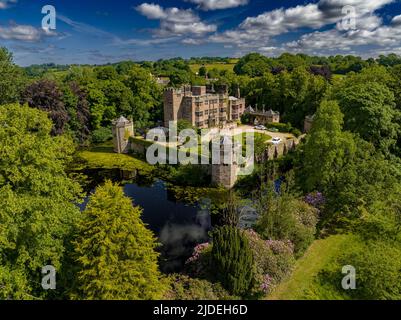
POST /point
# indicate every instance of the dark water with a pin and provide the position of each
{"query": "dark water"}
(179, 226)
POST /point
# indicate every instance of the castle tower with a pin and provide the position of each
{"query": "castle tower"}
(172, 100)
(122, 130)
(225, 173)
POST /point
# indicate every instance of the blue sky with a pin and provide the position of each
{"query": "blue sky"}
(98, 32)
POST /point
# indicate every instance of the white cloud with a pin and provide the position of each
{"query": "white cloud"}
(257, 32)
(151, 11)
(24, 33)
(383, 36)
(191, 41)
(282, 20)
(4, 4)
(218, 4)
(333, 8)
(174, 21)
(396, 21)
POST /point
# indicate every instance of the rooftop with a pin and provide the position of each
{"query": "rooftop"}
(121, 120)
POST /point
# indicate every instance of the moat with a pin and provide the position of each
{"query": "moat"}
(179, 225)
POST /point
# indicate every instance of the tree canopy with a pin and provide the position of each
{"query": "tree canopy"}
(115, 250)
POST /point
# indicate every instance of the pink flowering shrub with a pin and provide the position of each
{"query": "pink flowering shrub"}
(197, 252)
(198, 265)
(281, 247)
(273, 261)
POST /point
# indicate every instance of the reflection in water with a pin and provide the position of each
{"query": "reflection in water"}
(179, 239)
(180, 227)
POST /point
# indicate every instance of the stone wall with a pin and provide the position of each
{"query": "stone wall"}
(226, 175)
(276, 151)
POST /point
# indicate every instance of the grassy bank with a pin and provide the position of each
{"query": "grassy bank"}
(301, 283)
(103, 157)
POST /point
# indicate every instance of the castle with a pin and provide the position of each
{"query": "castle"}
(263, 117)
(226, 172)
(202, 106)
(122, 129)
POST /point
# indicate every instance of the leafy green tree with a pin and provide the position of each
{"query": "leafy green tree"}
(233, 260)
(285, 217)
(363, 183)
(291, 61)
(37, 201)
(253, 65)
(179, 78)
(202, 71)
(101, 112)
(147, 96)
(369, 110)
(294, 94)
(11, 79)
(115, 250)
(396, 73)
(390, 60)
(118, 96)
(327, 148)
(106, 73)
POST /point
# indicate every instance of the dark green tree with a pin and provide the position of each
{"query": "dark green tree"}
(202, 71)
(232, 259)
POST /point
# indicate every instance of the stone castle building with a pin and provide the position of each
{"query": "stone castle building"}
(122, 130)
(202, 106)
(263, 117)
(226, 172)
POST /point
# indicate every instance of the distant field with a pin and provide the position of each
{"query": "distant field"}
(219, 66)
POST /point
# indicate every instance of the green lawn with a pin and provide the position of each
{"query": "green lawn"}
(103, 157)
(318, 255)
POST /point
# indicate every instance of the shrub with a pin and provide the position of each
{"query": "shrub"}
(296, 132)
(186, 288)
(101, 135)
(273, 262)
(282, 127)
(287, 218)
(198, 265)
(232, 259)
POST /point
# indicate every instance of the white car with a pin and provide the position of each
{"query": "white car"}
(260, 127)
(276, 140)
